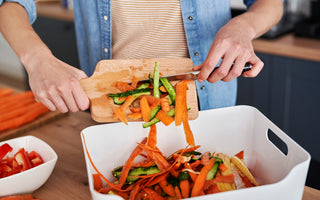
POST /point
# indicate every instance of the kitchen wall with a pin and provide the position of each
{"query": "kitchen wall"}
(10, 65)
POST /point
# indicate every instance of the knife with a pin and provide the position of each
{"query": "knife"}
(193, 75)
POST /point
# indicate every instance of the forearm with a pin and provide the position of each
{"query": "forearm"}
(16, 29)
(260, 17)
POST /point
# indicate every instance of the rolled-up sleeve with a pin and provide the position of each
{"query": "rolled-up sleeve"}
(29, 6)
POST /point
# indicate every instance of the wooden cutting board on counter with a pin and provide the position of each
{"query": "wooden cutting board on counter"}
(99, 85)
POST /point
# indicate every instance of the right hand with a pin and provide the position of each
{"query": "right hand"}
(56, 84)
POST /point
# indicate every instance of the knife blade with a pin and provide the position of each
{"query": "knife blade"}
(193, 75)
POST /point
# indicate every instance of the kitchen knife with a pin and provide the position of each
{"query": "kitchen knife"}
(193, 75)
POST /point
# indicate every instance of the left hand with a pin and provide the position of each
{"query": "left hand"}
(233, 43)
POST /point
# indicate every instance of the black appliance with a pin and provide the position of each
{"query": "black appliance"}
(310, 27)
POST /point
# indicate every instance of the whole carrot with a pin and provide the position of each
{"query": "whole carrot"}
(19, 111)
(13, 105)
(23, 119)
(5, 92)
(15, 97)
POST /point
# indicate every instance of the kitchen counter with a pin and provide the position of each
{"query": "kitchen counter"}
(69, 178)
(287, 45)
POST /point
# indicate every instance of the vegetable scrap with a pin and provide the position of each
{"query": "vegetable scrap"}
(17, 109)
(19, 162)
(156, 100)
(183, 174)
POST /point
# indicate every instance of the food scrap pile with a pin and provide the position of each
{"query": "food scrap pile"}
(21, 161)
(185, 173)
(154, 101)
(17, 109)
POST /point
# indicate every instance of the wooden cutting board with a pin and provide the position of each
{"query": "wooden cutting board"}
(99, 85)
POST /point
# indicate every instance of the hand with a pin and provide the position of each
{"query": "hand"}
(233, 43)
(56, 84)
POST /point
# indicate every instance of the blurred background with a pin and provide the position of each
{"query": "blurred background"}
(287, 91)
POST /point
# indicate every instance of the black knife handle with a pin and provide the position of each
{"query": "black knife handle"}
(246, 67)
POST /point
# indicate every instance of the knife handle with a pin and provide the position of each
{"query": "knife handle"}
(246, 67)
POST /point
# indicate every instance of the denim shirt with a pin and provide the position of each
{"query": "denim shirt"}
(201, 18)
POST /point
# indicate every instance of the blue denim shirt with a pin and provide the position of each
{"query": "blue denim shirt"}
(201, 19)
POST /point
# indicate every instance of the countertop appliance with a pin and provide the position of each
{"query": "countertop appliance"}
(310, 27)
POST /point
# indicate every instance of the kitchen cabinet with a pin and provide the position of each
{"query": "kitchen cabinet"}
(287, 91)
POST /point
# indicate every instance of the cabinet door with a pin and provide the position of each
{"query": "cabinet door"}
(60, 37)
(288, 92)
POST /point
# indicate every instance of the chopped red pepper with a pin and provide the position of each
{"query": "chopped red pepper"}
(23, 159)
(4, 149)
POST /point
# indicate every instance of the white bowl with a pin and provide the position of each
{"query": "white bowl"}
(226, 130)
(31, 179)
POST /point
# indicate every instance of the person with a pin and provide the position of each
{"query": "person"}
(202, 30)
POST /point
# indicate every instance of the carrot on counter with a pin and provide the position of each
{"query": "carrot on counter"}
(14, 105)
(16, 97)
(19, 111)
(5, 92)
(40, 109)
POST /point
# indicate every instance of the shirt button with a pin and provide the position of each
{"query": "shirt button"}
(105, 17)
(202, 87)
(196, 53)
(106, 50)
(190, 18)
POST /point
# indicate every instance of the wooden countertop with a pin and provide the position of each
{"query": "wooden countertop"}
(287, 45)
(69, 178)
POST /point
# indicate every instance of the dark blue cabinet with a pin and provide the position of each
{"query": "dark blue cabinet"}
(288, 92)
